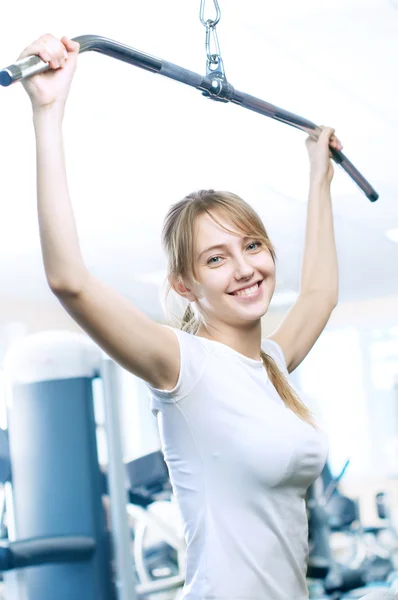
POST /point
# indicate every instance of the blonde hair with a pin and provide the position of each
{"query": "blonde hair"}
(178, 242)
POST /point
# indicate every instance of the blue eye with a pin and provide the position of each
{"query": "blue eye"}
(256, 244)
(210, 261)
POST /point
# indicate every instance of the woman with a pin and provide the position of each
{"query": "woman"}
(240, 445)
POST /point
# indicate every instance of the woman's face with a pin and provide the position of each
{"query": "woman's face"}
(236, 274)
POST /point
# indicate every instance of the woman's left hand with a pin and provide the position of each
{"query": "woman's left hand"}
(320, 155)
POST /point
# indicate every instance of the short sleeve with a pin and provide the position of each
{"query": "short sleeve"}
(275, 351)
(193, 357)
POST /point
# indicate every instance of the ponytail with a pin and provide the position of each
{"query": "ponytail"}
(285, 390)
(189, 322)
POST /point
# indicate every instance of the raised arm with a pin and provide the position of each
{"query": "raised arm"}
(140, 345)
(318, 294)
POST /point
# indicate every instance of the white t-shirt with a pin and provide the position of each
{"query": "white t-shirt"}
(240, 463)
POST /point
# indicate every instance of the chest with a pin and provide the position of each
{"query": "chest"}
(248, 434)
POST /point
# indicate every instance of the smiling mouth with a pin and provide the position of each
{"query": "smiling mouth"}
(251, 291)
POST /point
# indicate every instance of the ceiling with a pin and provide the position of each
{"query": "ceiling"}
(136, 142)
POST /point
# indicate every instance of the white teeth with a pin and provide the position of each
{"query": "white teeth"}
(248, 291)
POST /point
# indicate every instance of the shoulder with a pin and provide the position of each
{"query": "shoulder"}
(192, 362)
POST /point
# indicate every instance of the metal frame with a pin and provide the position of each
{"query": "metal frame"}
(126, 584)
(123, 558)
(212, 86)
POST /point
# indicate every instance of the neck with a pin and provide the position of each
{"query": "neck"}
(245, 340)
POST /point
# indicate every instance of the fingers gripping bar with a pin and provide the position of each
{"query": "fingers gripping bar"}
(213, 87)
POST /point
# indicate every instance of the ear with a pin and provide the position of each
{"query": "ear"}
(180, 287)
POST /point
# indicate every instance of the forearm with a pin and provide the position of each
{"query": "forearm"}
(63, 262)
(319, 268)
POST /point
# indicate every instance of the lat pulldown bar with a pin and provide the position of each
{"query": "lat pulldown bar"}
(213, 86)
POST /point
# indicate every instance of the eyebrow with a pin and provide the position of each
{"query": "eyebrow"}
(221, 246)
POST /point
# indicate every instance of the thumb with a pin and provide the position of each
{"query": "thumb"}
(70, 45)
(327, 133)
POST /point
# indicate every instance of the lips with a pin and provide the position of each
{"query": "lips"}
(247, 287)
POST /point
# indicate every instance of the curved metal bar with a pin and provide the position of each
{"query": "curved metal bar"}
(212, 87)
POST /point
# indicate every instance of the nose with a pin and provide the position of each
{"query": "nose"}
(243, 269)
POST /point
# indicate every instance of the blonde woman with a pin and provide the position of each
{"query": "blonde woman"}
(240, 445)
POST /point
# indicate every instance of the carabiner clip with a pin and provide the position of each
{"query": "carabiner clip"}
(214, 61)
(211, 22)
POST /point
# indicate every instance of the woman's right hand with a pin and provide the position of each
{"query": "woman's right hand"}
(52, 87)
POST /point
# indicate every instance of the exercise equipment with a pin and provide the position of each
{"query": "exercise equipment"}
(369, 566)
(214, 85)
(159, 545)
(58, 545)
(324, 515)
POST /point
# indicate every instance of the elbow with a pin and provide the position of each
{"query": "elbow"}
(334, 296)
(66, 287)
(62, 290)
(332, 300)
